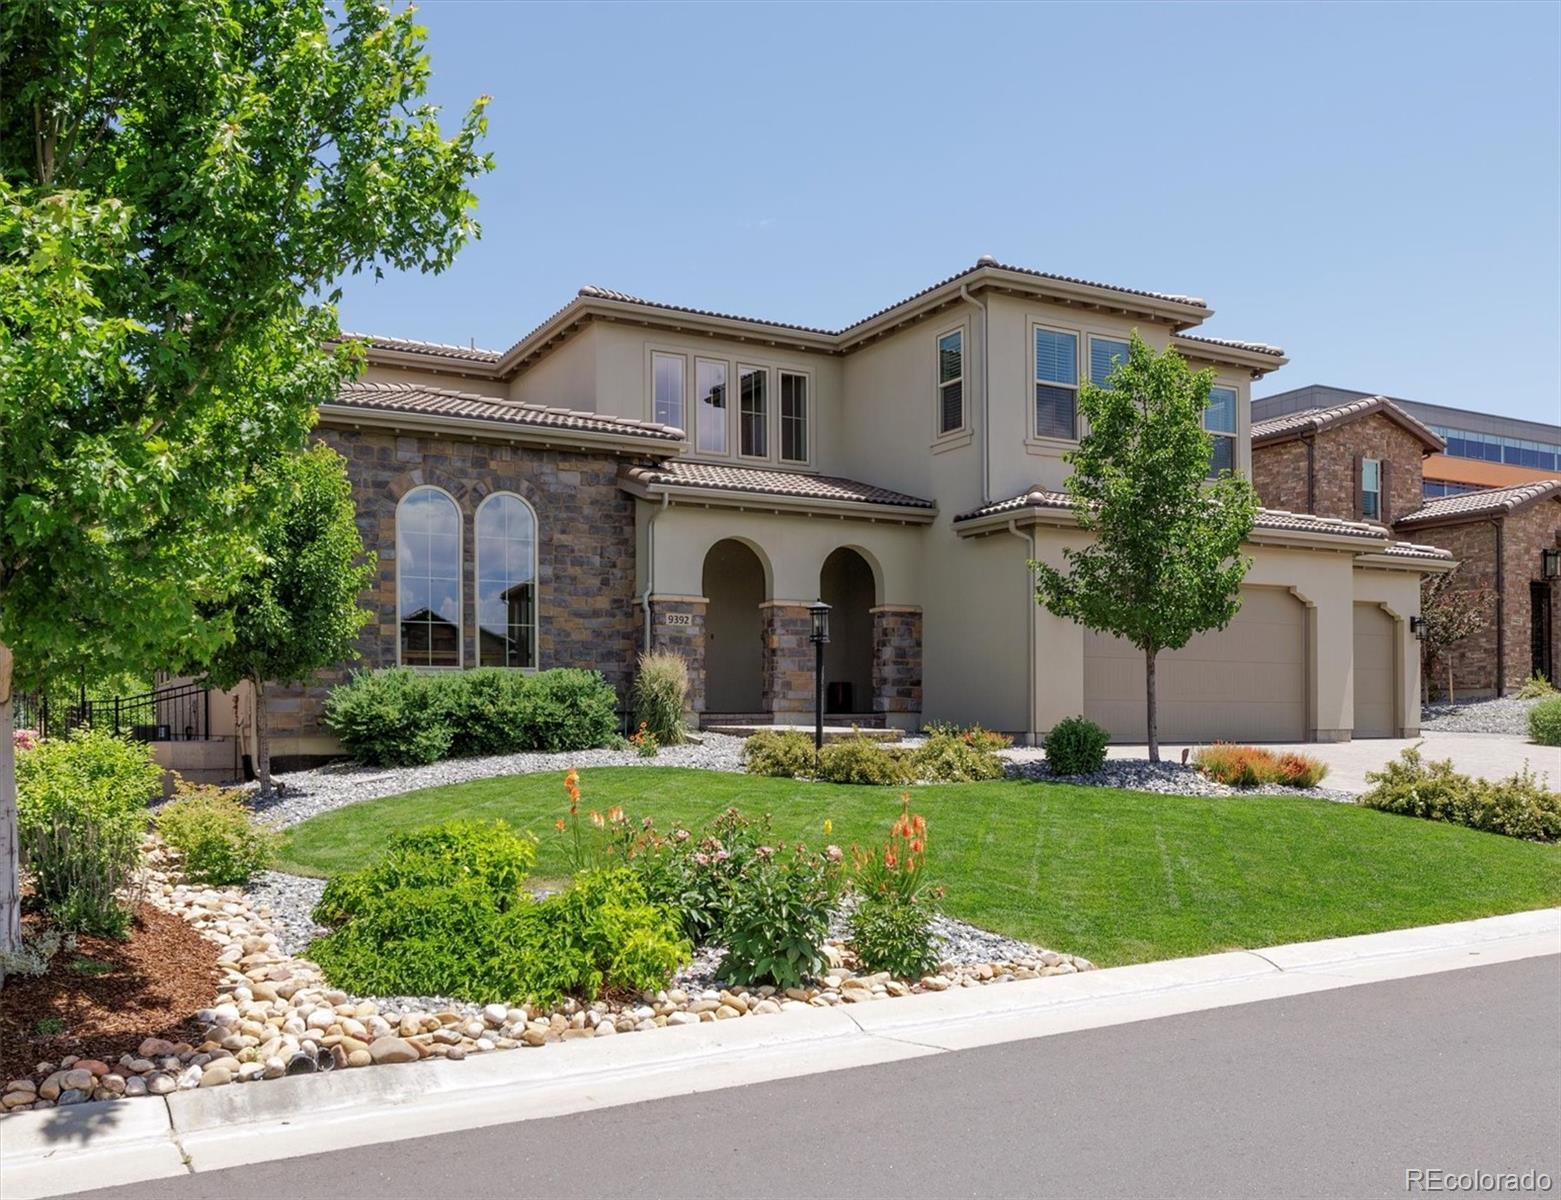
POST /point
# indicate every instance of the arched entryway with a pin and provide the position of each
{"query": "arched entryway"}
(734, 647)
(847, 585)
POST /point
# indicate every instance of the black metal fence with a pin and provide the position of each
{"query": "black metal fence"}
(170, 714)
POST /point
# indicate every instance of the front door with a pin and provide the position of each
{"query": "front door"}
(1539, 629)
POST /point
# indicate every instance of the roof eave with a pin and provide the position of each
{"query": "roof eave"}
(903, 514)
(1406, 562)
(1028, 515)
(478, 427)
(1253, 361)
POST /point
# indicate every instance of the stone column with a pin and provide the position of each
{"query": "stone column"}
(677, 625)
(788, 661)
(897, 664)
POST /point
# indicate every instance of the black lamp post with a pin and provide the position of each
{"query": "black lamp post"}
(819, 611)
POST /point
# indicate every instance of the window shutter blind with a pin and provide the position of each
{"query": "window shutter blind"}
(953, 407)
(1360, 507)
(1383, 477)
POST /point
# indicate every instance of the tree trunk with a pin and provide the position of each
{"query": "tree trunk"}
(1450, 699)
(10, 861)
(1149, 710)
(262, 739)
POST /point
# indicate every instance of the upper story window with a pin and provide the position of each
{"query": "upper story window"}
(428, 579)
(667, 371)
(1056, 383)
(753, 412)
(951, 382)
(710, 405)
(1219, 419)
(793, 417)
(1371, 489)
(1105, 354)
(506, 582)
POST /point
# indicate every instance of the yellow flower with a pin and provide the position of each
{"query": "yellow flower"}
(829, 826)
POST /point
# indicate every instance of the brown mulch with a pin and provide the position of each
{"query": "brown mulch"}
(109, 996)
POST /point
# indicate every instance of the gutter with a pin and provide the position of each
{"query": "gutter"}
(986, 394)
(1029, 632)
(557, 436)
(650, 563)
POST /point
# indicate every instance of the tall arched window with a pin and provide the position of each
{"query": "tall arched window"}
(428, 578)
(506, 582)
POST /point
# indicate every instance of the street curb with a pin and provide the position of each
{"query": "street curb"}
(61, 1150)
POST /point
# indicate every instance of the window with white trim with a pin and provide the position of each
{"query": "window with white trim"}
(1056, 383)
(428, 579)
(1105, 355)
(793, 417)
(1219, 420)
(667, 387)
(951, 382)
(710, 405)
(506, 582)
(753, 412)
(1371, 489)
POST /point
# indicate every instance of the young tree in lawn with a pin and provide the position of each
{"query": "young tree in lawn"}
(182, 186)
(1451, 614)
(296, 610)
(1165, 562)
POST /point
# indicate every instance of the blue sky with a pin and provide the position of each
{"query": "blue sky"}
(1377, 188)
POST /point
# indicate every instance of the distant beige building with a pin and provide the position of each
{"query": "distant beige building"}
(633, 474)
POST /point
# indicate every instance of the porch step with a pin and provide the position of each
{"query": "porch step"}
(832, 733)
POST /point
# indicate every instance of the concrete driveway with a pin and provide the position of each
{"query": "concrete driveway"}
(1484, 755)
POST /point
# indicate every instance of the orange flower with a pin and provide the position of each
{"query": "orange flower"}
(888, 858)
(910, 866)
(596, 819)
(559, 824)
(921, 823)
(916, 846)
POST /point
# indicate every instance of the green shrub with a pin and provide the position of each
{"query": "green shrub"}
(661, 696)
(696, 876)
(1519, 806)
(952, 756)
(859, 759)
(390, 718)
(81, 811)
(1253, 766)
(1544, 722)
(889, 935)
(1536, 687)
(569, 709)
(1076, 746)
(785, 754)
(211, 828)
(776, 922)
(485, 710)
(982, 739)
(445, 912)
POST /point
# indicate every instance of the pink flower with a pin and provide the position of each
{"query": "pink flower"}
(701, 858)
(680, 834)
(24, 739)
(765, 851)
(722, 855)
(833, 853)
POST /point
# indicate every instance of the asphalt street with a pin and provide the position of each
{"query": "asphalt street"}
(1337, 1093)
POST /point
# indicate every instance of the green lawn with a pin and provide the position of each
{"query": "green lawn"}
(1116, 876)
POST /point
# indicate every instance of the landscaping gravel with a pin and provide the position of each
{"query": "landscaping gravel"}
(1166, 778)
(1504, 714)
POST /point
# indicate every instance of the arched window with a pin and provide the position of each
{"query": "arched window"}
(506, 582)
(428, 578)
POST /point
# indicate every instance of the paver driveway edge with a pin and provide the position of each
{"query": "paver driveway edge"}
(92, 1145)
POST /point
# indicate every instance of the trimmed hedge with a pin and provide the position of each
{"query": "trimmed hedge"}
(1076, 746)
(1544, 722)
(402, 717)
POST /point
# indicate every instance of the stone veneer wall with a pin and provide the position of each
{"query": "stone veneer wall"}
(1279, 471)
(686, 640)
(1279, 475)
(789, 661)
(1525, 533)
(587, 611)
(896, 660)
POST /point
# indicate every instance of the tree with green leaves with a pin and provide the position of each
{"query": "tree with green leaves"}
(296, 610)
(183, 186)
(1450, 613)
(1165, 562)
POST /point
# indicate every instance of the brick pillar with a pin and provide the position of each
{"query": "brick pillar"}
(788, 662)
(897, 664)
(677, 625)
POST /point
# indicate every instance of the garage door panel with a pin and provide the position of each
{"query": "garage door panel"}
(1375, 684)
(1246, 682)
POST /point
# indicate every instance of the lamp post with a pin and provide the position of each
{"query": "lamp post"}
(819, 611)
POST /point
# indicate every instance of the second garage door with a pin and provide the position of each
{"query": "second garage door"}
(1373, 672)
(1246, 682)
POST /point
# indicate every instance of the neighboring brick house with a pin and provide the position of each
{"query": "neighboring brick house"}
(1362, 460)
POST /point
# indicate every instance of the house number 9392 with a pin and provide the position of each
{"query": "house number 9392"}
(678, 619)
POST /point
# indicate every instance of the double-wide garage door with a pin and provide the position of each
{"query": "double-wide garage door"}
(1246, 682)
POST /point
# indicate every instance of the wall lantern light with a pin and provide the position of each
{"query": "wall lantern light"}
(1417, 626)
(1549, 564)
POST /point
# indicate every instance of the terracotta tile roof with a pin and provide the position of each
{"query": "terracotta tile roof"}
(1254, 347)
(1315, 420)
(792, 484)
(1034, 498)
(1267, 518)
(1415, 550)
(431, 349)
(447, 402)
(1491, 503)
(592, 292)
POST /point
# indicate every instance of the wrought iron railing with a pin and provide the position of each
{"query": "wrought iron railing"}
(170, 714)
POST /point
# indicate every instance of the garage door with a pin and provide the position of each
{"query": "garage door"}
(1246, 682)
(1374, 638)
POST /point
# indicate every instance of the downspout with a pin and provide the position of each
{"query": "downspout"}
(650, 563)
(986, 396)
(1029, 633)
(1501, 609)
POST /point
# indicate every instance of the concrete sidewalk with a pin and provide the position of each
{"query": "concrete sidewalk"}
(96, 1145)
(1483, 755)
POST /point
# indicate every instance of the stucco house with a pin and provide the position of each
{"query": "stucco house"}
(1364, 460)
(633, 474)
